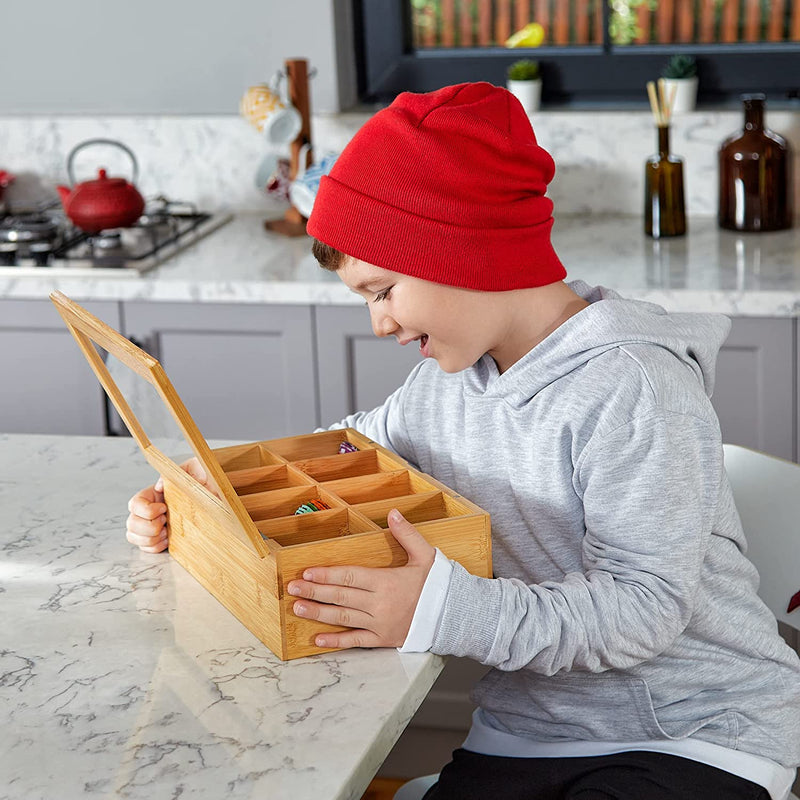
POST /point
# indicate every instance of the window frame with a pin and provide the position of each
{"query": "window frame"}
(572, 77)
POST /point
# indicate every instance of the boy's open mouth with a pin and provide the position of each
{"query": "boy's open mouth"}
(423, 343)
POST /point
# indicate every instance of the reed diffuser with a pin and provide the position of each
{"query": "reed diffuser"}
(664, 210)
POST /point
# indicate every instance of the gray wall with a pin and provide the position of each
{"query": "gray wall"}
(167, 56)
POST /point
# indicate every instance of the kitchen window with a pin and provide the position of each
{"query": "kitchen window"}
(594, 53)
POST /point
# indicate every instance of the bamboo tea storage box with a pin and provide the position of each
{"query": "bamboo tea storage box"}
(247, 543)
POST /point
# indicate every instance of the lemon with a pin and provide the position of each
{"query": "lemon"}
(532, 35)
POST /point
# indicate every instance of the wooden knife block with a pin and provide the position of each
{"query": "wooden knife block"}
(245, 545)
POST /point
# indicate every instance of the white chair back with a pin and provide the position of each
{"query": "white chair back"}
(767, 495)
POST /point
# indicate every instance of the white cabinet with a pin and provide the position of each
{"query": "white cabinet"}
(259, 371)
(357, 370)
(46, 386)
(243, 371)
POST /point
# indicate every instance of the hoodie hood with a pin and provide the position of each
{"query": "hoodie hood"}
(609, 321)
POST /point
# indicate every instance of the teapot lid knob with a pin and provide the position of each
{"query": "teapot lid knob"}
(101, 174)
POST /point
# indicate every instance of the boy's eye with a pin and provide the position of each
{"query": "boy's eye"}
(383, 295)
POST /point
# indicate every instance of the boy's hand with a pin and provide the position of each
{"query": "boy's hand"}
(377, 603)
(147, 521)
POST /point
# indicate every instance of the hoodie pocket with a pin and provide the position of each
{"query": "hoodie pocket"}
(580, 707)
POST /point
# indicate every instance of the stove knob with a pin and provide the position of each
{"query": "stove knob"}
(8, 254)
(41, 253)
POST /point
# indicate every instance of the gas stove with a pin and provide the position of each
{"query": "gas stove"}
(42, 241)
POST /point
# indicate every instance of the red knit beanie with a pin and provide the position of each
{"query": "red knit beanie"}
(447, 186)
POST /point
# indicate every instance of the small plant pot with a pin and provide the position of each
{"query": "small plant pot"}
(529, 93)
(685, 94)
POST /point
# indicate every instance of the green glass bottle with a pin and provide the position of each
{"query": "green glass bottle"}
(664, 210)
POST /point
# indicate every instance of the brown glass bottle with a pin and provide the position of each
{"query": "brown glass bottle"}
(754, 191)
(664, 210)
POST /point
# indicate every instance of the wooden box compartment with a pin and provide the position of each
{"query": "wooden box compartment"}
(245, 541)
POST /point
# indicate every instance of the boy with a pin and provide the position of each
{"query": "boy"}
(632, 656)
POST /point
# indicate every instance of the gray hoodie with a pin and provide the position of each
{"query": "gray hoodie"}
(624, 607)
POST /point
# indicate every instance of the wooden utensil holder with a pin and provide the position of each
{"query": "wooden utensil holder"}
(247, 543)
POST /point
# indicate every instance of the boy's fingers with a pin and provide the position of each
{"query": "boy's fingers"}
(332, 594)
(152, 544)
(195, 469)
(354, 577)
(146, 527)
(413, 542)
(159, 547)
(332, 615)
(352, 638)
(146, 523)
(140, 506)
(198, 472)
(156, 549)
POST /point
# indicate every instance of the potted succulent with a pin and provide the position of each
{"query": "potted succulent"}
(680, 76)
(523, 80)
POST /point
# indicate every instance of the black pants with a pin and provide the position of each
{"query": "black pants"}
(621, 776)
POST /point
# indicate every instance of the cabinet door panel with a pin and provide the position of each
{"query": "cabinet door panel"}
(754, 391)
(47, 386)
(357, 370)
(243, 372)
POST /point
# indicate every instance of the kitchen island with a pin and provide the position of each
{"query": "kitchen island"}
(171, 702)
(122, 677)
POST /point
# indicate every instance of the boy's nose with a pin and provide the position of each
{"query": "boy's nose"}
(382, 324)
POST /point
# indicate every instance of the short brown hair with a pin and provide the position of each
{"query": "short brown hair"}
(329, 257)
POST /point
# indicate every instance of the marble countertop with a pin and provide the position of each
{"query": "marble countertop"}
(707, 270)
(120, 676)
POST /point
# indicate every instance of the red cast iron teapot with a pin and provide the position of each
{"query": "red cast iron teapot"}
(105, 202)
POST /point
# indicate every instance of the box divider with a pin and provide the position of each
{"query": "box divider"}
(389, 462)
(375, 484)
(271, 453)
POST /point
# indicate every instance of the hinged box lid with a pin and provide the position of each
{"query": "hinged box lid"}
(89, 331)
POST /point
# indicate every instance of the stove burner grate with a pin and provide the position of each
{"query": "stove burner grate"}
(28, 228)
(45, 237)
(151, 239)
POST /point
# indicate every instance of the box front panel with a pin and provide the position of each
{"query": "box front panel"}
(466, 540)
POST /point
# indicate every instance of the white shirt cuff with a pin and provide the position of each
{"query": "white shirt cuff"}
(430, 607)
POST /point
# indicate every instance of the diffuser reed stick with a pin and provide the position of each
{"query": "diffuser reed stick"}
(660, 102)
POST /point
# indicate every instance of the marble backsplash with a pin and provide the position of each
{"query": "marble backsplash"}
(212, 160)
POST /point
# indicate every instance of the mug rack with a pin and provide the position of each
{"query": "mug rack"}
(293, 223)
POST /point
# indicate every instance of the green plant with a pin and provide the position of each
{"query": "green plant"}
(680, 66)
(523, 70)
(622, 24)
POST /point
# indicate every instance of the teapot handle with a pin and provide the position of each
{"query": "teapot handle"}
(115, 143)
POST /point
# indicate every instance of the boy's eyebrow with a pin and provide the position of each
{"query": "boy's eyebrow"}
(366, 284)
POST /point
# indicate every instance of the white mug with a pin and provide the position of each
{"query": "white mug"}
(278, 121)
(305, 186)
(272, 177)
